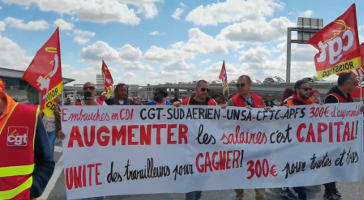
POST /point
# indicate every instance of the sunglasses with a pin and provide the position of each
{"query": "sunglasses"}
(241, 85)
(156, 94)
(90, 88)
(306, 89)
(205, 90)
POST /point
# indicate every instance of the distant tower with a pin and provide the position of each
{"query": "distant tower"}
(99, 80)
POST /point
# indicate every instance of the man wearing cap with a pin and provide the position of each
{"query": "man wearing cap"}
(249, 100)
(26, 159)
(301, 96)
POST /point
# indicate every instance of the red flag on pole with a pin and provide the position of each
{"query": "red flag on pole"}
(338, 43)
(359, 73)
(108, 81)
(223, 78)
(45, 73)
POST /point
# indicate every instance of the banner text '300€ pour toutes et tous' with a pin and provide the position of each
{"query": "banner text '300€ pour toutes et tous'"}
(118, 150)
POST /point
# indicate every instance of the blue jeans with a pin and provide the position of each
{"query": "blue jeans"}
(196, 195)
(52, 139)
(97, 198)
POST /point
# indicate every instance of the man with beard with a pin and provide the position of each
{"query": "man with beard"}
(301, 96)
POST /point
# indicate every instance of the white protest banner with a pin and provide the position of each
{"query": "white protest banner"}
(120, 150)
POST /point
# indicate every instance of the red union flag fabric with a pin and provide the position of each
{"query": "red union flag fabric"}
(45, 73)
(359, 73)
(108, 81)
(223, 78)
(338, 43)
(2, 85)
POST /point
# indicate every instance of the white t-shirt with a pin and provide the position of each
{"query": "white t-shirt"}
(49, 123)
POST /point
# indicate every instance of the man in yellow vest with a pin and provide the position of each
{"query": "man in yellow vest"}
(26, 159)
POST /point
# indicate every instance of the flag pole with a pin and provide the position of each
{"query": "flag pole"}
(227, 87)
(227, 82)
(62, 100)
(360, 86)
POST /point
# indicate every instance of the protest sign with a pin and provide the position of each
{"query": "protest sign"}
(120, 150)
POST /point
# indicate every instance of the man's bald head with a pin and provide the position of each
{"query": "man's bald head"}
(90, 87)
(89, 84)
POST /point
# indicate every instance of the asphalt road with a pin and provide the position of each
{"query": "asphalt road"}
(56, 190)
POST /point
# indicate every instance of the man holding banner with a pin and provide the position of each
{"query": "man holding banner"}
(339, 94)
(201, 98)
(245, 98)
(89, 91)
(301, 96)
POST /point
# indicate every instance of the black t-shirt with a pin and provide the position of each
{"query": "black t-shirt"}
(267, 103)
(194, 102)
(332, 99)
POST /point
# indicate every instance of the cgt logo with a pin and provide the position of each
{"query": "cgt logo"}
(17, 136)
(341, 41)
(359, 77)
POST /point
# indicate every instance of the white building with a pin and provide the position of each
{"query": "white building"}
(99, 80)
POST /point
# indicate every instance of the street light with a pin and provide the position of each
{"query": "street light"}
(306, 28)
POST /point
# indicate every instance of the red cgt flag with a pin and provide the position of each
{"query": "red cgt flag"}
(2, 85)
(108, 81)
(223, 78)
(338, 43)
(45, 73)
(359, 73)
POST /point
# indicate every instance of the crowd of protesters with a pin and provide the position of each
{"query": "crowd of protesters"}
(300, 94)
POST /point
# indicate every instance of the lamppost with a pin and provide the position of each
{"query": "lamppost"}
(306, 28)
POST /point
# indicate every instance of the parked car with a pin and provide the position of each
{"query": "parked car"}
(274, 80)
(309, 79)
(256, 82)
